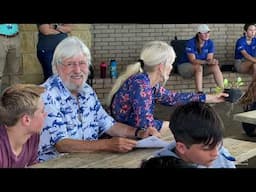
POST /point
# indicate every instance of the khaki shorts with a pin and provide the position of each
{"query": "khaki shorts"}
(238, 63)
(186, 70)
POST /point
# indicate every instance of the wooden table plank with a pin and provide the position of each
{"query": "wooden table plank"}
(131, 159)
(240, 149)
(246, 117)
(75, 160)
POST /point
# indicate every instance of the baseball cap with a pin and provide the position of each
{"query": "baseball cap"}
(203, 28)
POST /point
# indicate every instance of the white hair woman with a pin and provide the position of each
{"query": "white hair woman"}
(134, 95)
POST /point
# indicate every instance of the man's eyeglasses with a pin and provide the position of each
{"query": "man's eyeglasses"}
(72, 65)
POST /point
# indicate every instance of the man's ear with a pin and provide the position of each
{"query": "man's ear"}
(181, 147)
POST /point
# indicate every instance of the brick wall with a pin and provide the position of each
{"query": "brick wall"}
(175, 83)
(31, 70)
(123, 42)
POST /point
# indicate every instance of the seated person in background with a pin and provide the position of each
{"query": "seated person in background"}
(22, 116)
(165, 162)
(198, 59)
(135, 93)
(245, 51)
(76, 119)
(197, 130)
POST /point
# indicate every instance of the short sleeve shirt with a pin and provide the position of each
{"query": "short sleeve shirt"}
(81, 118)
(191, 47)
(241, 45)
(27, 157)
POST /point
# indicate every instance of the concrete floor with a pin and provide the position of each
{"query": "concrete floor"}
(232, 128)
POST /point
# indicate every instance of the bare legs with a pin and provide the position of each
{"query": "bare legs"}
(210, 69)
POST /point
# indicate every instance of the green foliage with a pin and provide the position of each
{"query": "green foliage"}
(228, 84)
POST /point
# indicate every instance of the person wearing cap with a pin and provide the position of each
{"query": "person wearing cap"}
(198, 59)
(10, 52)
(245, 51)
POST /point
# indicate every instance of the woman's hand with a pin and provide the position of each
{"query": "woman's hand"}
(216, 98)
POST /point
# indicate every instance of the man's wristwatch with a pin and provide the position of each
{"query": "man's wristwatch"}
(136, 133)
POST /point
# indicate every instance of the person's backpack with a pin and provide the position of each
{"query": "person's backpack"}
(91, 75)
(179, 48)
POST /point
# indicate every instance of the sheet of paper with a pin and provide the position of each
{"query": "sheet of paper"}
(151, 142)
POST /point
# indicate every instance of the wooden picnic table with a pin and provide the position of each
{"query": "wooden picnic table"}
(240, 149)
(246, 117)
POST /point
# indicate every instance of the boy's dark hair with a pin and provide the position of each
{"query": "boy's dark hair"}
(165, 162)
(196, 123)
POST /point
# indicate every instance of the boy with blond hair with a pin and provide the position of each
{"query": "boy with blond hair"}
(21, 120)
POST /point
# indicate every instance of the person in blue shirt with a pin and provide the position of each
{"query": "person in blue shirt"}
(76, 119)
(49, 35)
(198, 59)
(10, 53)
(245, 51)
(136, 92)
(198, 133)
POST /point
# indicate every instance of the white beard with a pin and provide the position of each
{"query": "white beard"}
(74, 87)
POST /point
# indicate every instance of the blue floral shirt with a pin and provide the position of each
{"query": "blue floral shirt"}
(81, 118)
(134, 103)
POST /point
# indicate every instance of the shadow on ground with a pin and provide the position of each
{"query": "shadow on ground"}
(232, 128)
